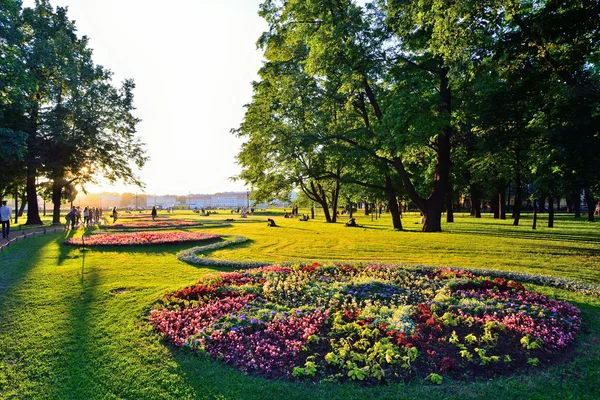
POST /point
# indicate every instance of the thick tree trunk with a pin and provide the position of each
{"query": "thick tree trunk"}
(366, 208)
(33, 211)
(393, 204)
(550, 212)
(591, 204)
(433, 218)
(312, 212)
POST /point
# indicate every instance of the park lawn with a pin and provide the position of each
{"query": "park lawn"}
(73, 321)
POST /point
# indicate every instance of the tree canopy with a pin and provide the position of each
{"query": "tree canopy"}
(61, 117)
(431, 100)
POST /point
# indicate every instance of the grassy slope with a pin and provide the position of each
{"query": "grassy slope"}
(64, 333)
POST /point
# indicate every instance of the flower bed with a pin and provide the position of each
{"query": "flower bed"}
(140, 216)
(372, 324)
(140, 238)
(155, 224)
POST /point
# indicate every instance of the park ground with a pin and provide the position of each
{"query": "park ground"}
(73, 322)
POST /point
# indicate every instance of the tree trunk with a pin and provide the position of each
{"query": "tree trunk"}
(23, 204)
(518, 200)
(591, 204)
(366, 208)
(534, 226)
(432, 206)
(449, 206)
(476, 195)
(502, 203)
(16, 207)
(312, 212)
(432, 219)
(335, 195)
(550, 212)
(33, 211)
(393, 204)
(495, 205)
(577, 204)
(326, 212)
(56, 200)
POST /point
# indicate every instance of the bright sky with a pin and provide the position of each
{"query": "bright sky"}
(193, 62)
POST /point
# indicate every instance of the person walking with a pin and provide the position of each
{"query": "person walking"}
(153, 213)
(71, 218)
(115, 215)
(5, 217)
(86, 217)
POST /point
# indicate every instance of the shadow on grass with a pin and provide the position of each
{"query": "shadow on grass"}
(148, 249)
(16, 263)
(589, 238)
(65, 251)
(76, 363)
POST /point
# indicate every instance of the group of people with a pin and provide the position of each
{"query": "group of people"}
(86, 217)
(293, 214)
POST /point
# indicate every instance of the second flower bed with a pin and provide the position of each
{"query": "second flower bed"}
(374, 323)
(140, 238)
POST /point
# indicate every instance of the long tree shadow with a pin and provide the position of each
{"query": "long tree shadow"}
(76, 361)
(591, 238)
(67, 252)
(151, 249)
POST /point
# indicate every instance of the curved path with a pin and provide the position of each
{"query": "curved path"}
(16, 236)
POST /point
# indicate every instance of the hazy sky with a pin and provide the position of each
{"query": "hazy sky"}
(193, 62)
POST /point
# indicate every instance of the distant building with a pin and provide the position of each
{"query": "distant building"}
(110, 201)
(199, 201)
(220, 200)
(161, 201)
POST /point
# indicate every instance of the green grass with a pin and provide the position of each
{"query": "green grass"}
(72, 321)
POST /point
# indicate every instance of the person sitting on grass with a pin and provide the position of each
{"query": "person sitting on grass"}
(352, 222)
(271, 223)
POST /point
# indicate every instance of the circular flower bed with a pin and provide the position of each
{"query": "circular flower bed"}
(140, 238)
(371, 324)
(155, 224)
